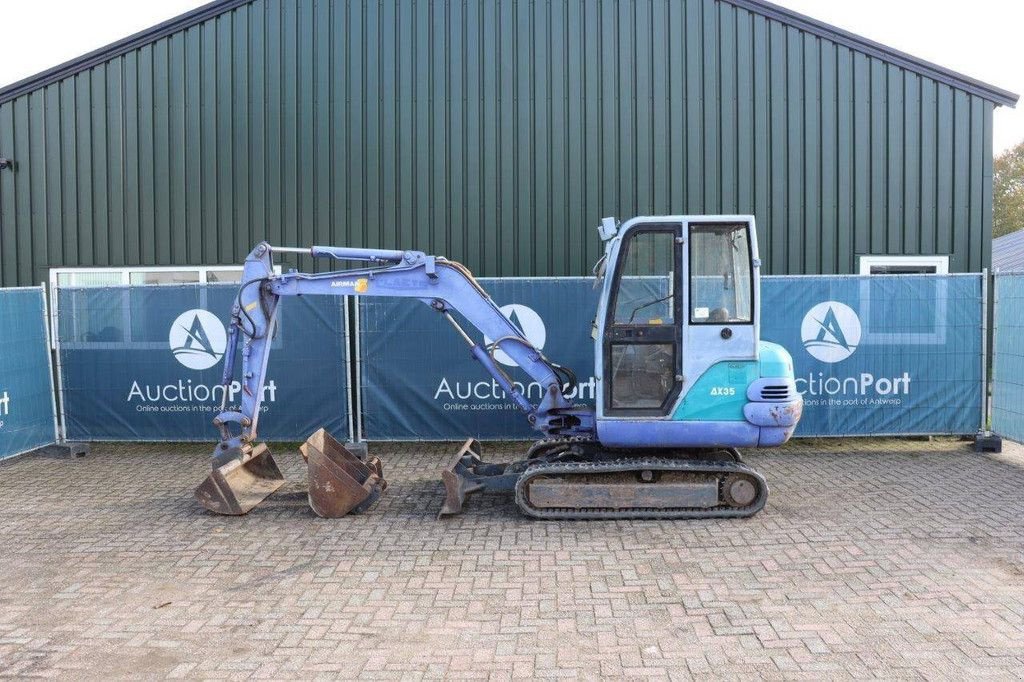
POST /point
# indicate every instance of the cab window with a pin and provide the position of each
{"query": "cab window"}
(645, 290)
(720, 274)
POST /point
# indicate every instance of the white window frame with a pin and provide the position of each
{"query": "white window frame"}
(940, 263)
(125, 272)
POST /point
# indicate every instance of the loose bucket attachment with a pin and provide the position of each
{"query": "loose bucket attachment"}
(237, 485)
(339, 482)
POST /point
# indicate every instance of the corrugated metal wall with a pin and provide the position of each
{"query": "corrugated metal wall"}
(497, 133)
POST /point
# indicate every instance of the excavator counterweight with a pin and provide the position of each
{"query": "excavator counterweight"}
(683, 380)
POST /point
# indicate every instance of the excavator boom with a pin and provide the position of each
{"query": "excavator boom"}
(444, 285)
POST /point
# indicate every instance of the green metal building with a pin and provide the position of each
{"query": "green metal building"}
(497, 133)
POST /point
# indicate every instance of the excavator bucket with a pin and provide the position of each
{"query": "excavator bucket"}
(238, 485)
(340, 482)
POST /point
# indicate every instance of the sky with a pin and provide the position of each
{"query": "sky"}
(980, 38)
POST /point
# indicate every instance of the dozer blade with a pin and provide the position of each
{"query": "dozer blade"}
(339, 482)
(239, 484)
(456, 484)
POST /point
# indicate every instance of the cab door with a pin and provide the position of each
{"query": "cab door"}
(721, 320)
(642, 341)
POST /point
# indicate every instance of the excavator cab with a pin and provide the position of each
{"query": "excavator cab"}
(678, 337)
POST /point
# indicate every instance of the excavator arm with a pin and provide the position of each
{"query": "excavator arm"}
(444, 285)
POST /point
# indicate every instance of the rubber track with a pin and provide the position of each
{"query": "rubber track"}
(718, 469)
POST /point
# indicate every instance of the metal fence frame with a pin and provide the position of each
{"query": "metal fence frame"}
(60, 415)
(41, 288)
(354, 364)
(984, 331)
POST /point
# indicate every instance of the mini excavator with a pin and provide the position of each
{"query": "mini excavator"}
(683, 381)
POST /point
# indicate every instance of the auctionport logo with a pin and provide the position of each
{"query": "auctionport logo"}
(831, 331)
(529, 322)
(197, 339)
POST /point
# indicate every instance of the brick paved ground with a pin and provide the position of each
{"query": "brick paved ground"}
(873, 558)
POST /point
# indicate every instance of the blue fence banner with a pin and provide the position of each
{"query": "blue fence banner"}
(1008, 357)
(144, 364)
(26, 387)
(419, 381)
(881, 354)
(873, 355)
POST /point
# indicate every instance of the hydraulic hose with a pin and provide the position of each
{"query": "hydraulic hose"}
(263, 306)
(566, 376)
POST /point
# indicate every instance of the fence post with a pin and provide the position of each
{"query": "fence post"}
(348, 369)
(357, 435)
(984, 352)
(986, 441)
(61, 416)
(57, 436)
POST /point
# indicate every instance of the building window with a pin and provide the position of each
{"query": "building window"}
(133, 276)
(115, 323)
(884, 320)
(904, 265)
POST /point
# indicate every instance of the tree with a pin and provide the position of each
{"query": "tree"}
(1008, 191)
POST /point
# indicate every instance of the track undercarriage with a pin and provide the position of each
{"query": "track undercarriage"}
(577, 478)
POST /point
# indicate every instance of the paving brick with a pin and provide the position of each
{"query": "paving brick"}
(873, 558)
